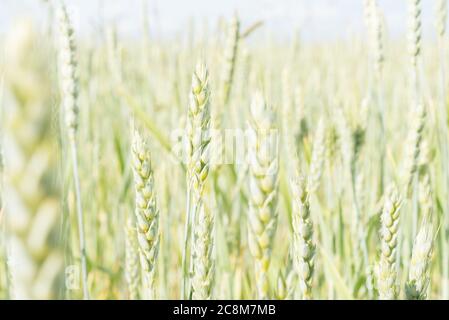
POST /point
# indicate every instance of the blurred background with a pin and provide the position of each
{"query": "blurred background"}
(318, 20)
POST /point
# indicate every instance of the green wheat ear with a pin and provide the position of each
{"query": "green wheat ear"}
(263, 182)
(386, 269)
(303, 246)
(147, 213)
(203, 263)
(419, 272)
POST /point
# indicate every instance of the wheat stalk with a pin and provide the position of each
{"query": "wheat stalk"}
(263, 181)
(69, 86)
(352, 140)
(374, 24)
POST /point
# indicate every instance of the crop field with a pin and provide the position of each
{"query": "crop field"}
(222, 165)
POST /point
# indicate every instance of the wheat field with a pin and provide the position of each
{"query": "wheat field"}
(215, 166)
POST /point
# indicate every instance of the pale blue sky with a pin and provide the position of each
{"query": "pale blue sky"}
(317, 19)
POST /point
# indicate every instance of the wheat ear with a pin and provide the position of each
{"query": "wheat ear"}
(303, 247)
(414, 34)
(414, 146)
(263, 186)
(386, 272)
(147, 213)
(441, 7)
(198, 144)
(230, 57)
(203, 264)
(377, 39)
(419, 273)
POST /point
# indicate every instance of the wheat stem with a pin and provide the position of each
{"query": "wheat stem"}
(69, 84)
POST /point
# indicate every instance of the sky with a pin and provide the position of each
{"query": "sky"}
(317, 20)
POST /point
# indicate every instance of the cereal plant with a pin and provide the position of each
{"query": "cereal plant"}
(225, 160)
